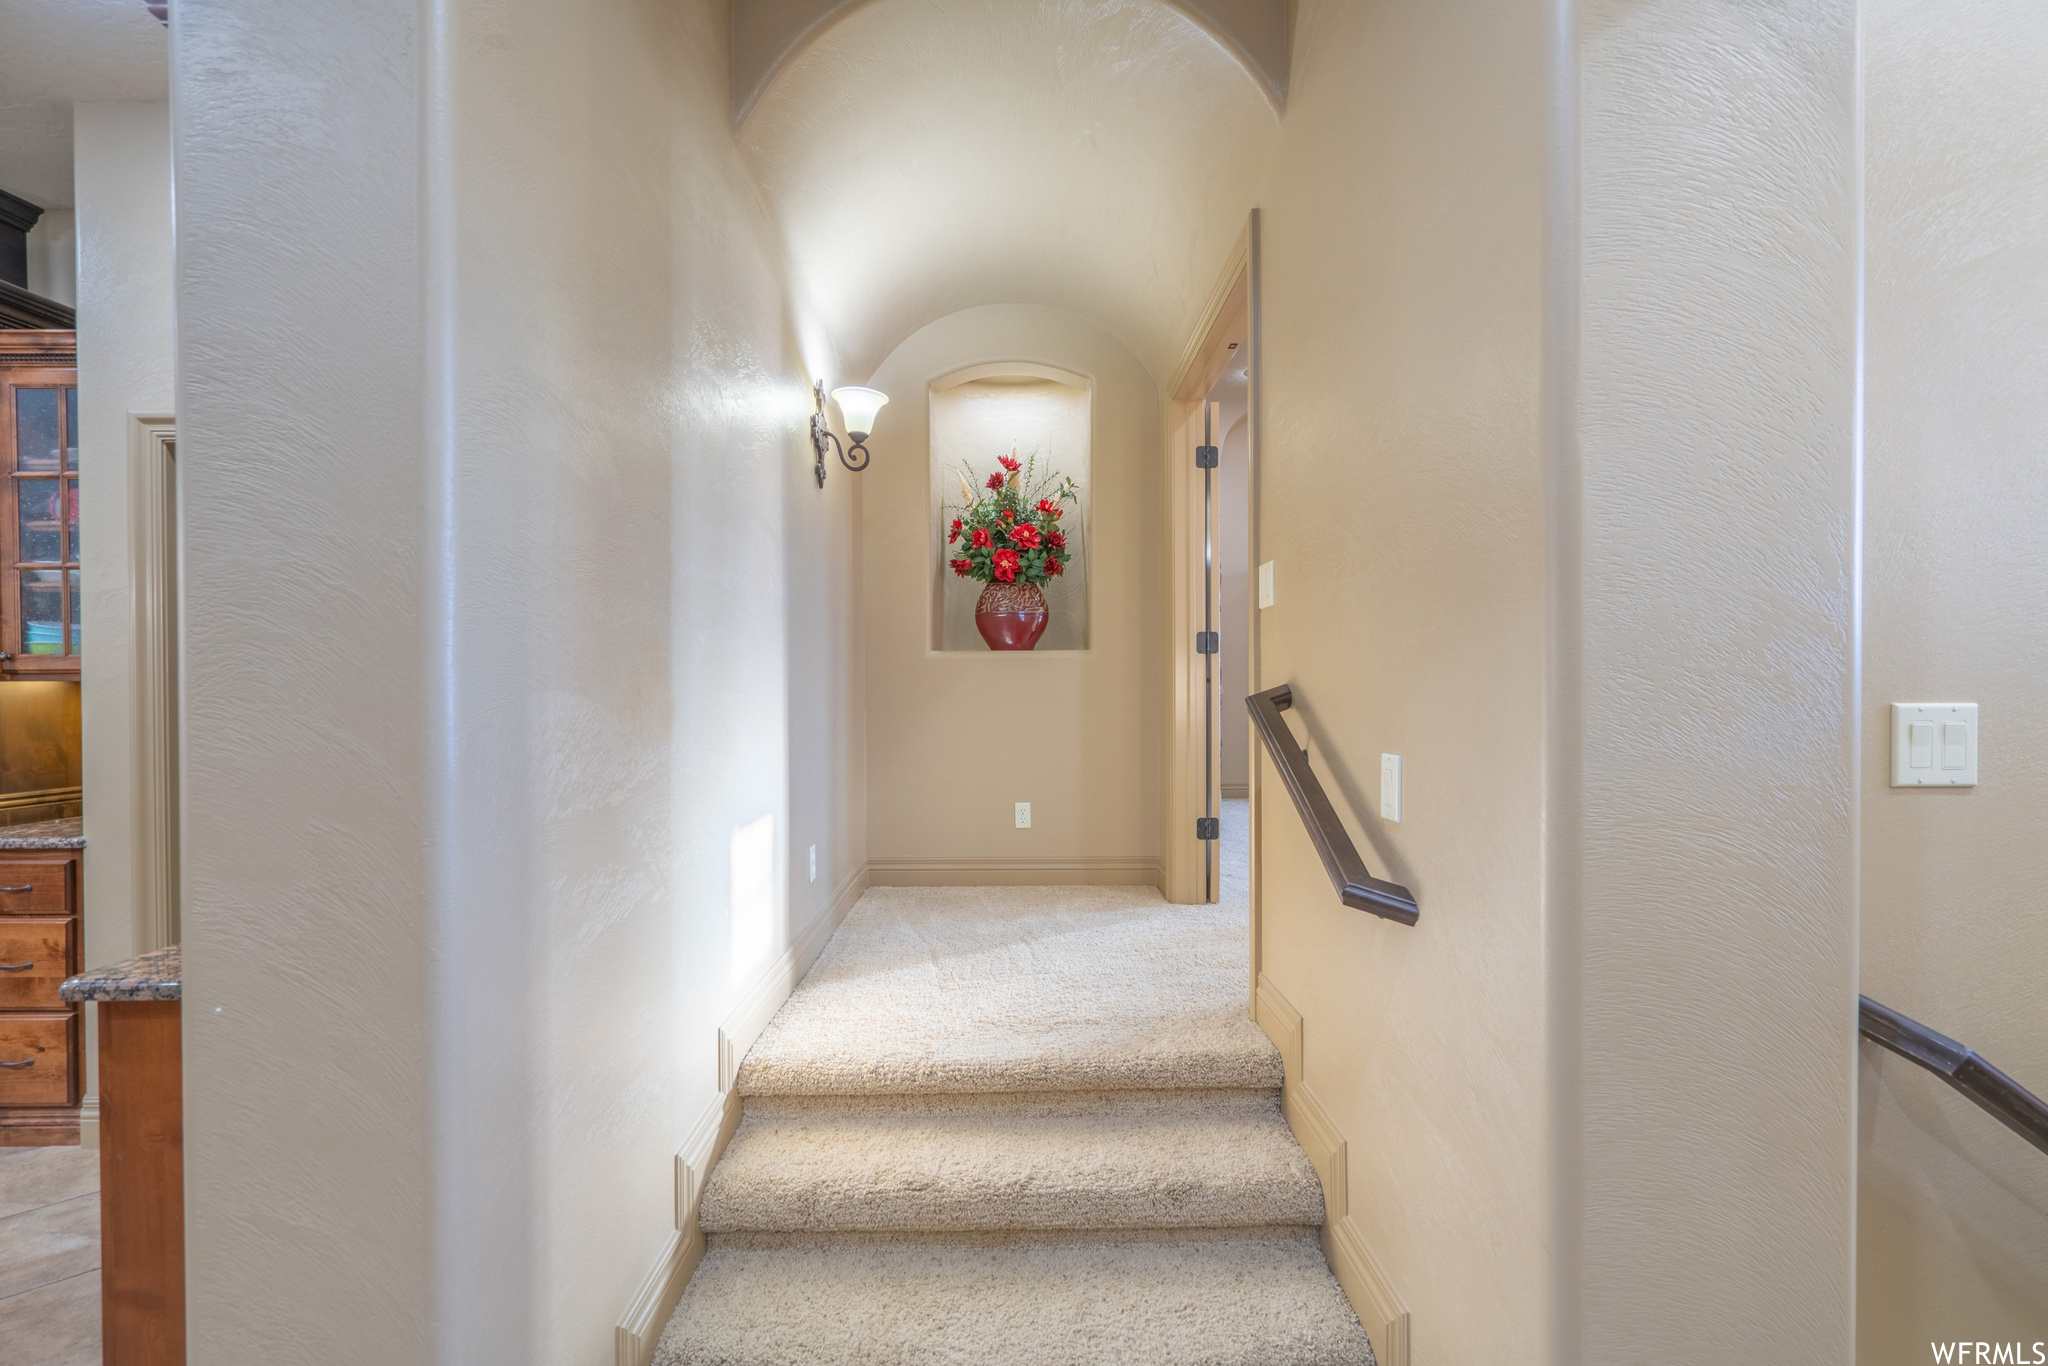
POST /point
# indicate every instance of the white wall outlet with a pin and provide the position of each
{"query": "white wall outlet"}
(1934, 744)
(1023, 815)
(1390, 787)
(1266, 584)
(814, 863)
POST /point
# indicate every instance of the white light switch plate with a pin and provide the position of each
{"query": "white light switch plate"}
(1390, 787)
(1266, 584)
(1934, 744)
(1023, 815)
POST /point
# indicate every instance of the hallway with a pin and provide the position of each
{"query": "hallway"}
(1016, 1125)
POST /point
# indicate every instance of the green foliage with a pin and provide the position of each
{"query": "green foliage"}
(1006, 528)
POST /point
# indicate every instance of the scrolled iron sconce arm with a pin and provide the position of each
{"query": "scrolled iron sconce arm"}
(823, 438)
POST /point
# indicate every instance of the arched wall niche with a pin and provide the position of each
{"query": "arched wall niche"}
(1044, 413)
(766, 34)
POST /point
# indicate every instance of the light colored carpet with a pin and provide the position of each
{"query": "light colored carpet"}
(1133, 1159)
(1264, 1299)
(1024, 1126)
(1019, 989)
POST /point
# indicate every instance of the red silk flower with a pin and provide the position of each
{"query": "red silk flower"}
(1053, 568)
(981, 538)
(1004, 565)
(961, 567)
(1011, 465)
(1056, 539)
(954, 534)
(1048, 507)
(995, 481)
(1025, 535)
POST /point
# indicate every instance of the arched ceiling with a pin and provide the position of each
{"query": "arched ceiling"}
(1093, 155)
(767, 33)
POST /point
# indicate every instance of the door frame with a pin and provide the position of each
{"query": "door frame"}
(1231, 313)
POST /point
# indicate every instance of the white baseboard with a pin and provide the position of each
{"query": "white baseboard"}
(1378, 1305)
(759, 1003)
(89, 1122)
(637, 1333)
(639, 1329)
(1237, 791)
(1118, 870)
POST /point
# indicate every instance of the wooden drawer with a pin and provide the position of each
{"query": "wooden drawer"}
(37, 885)
(35, 956)
(43, 1043)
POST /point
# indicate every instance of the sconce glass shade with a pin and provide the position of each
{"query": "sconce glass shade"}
(859, 406)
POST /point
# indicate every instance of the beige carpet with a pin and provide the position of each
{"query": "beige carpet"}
(1025, 1126)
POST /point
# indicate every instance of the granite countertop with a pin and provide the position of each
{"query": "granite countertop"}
(65, 833)
(151, 977)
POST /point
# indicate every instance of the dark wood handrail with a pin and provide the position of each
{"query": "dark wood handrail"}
(1355, 886)
(2012, 1104)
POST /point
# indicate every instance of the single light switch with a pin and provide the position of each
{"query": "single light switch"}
(1934, 744)
(1266, 584)
(1955, 745)
(1390, 787)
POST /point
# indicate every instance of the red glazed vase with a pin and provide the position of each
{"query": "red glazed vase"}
(1010, 616)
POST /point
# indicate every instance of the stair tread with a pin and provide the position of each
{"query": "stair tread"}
(1208, 1159)
(1001, 989)
(1255, 1299)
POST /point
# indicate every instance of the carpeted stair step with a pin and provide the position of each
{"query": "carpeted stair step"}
(1066, 1160)
(1261, 1298)
(1001, 989)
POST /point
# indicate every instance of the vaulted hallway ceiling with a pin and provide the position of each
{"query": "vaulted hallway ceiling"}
(1094, 155)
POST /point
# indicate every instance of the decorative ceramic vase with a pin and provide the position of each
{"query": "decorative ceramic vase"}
(1010, 616)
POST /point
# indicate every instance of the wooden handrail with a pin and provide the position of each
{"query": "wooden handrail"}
(1355, 886)
(2012, 1104)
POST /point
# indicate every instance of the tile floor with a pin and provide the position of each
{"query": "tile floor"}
(49, 1257)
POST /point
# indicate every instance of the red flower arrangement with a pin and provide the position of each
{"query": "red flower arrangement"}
(1011, 523)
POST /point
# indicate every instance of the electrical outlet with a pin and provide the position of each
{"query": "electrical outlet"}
(1023, 815)
(1390, 787)
(1266, 584)
(814, 863)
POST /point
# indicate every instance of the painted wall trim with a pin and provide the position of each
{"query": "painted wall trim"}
(153, 598)
(1114, 870)
(639, 1329)
(1366, 1283)
(89, 1121)
(759, 1003)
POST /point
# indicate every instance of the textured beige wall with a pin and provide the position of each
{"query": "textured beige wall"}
(1953, 1210)
(1401, 496)
(126, 363)
(1705, 962)
(1075, 733)
(511, 601)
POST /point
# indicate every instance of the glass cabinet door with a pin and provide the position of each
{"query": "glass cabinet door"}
(41, 536)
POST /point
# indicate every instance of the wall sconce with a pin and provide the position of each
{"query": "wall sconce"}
(858, 406)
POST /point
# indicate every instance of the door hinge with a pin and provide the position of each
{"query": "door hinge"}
(1208, 642)
(1208, 827)
(1206, 457)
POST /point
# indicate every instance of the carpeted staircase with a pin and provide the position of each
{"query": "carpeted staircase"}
(1015, 1125)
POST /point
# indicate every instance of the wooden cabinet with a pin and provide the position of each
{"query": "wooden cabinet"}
(41, 1068)
(40, 623)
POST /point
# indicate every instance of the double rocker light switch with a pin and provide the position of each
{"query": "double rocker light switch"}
(1934, 744)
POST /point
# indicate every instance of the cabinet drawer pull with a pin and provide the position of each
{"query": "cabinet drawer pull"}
(15, 967)
(25, 887)
(25, 1062)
